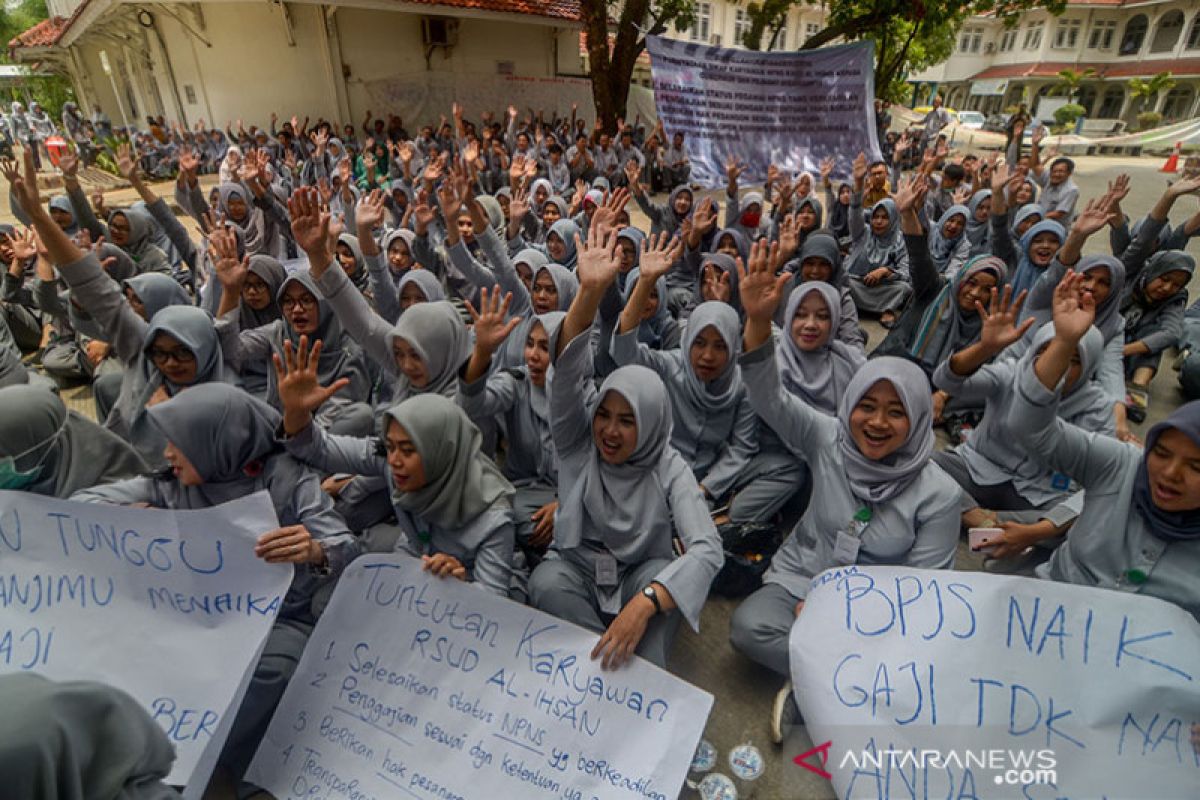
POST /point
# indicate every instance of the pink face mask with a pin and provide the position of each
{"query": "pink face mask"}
(751, 218)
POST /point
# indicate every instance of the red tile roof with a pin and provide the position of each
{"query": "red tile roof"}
(556, 9)
(1179, 67)
(45, 34)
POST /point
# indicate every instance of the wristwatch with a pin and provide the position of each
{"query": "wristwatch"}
(653, 595)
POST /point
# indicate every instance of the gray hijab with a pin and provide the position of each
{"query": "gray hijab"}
(818, 377)
(877, 250)
(426, 281)
(340, 356)
(222, 430)
(539, 400)
(158, 291)
(68, 451)
(461, 482)
(79, 740)
(822, 244)
(618, 502)
(359, 277)
(273, 274)
(879, 481)
(565, 283)
(726, 389)
(437, 333)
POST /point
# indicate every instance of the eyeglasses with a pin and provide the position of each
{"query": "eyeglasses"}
(181, 355)
(258, 286)
(306, 302)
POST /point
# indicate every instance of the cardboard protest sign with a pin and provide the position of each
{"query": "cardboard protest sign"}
(171, 607)
(415, 686)
(951, 684)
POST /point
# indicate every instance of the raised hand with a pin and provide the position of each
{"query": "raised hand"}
(517, 168)
(907, 192)
(859, 169)
(231, 271)
(659, 252)
(705, 217)
(1074, 310)
(189, 163)
(1095, 216)
(1118, 189)
(69, 165)
(733, 168)
(827, 165)
(633, 171)
(1184, 186)
(449, 200)
(470, 153)
(1000, 328)
(24, 245)
(300, 390)
(126, 163)
(605, 217)
(324, 191)
(24, 186)
(599, 261)
(405, 151)
(789, 236)
(433, 171)
(490, 323)
(368, 213)
(760, 288)
(518, 208)
(310, 225)
(717, 284)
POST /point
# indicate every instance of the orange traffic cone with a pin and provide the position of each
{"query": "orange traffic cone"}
(1172, 164)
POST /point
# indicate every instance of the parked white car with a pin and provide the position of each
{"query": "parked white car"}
(971, 119)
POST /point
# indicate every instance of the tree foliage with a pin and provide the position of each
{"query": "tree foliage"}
(49, 90)
(1070, 81)
(909, 35)
(1146, 90)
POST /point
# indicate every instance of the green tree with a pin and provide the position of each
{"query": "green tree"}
(1146, 90)
(909, 35)
(611, 70)
(51, 91)
(1070, 81)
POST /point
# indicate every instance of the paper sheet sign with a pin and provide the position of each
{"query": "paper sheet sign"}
(919, 683)
(170, 606)
(418, 687)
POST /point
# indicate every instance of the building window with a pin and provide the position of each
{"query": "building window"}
(699, 31)
(1066, 34)
(1135, 34)
(1178, 103)
(1101, 37)
(1033, 36)
(1110, 105)
(740, 26)
(1167, 34)
(971, 41)
(1008, 41)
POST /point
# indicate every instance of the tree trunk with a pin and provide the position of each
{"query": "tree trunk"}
(612, 74)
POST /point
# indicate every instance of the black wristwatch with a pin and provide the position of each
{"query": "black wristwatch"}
(653, 595)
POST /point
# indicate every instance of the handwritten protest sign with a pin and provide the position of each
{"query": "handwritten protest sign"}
(170, 606)
(787, 109)
(414, 686)
(916, 683)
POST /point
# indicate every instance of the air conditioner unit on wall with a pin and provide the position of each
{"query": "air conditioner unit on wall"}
(439, 31)
(990, 47)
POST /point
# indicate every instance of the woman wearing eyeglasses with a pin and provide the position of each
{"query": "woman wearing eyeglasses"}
(177, 348)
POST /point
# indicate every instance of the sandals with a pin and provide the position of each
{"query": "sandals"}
(1137, 401)
(889, 319)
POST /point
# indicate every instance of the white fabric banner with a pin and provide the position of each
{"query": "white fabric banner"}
(788, 109)
(171, 607)
(415, 686)
(966, 684)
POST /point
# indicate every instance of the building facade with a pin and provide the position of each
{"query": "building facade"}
(994, 67)
(221, 61)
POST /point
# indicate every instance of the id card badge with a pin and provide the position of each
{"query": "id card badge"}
(845, 550)
(1060, 482)
(606, 569)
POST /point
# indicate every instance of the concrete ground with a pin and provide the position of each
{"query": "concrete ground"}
(743, 691)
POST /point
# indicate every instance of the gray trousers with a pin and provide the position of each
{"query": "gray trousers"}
(760, 627)
(564, 590)
(767, 483)
(65, 361)
(1002, 497)
(280, 657)
(25, 327)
